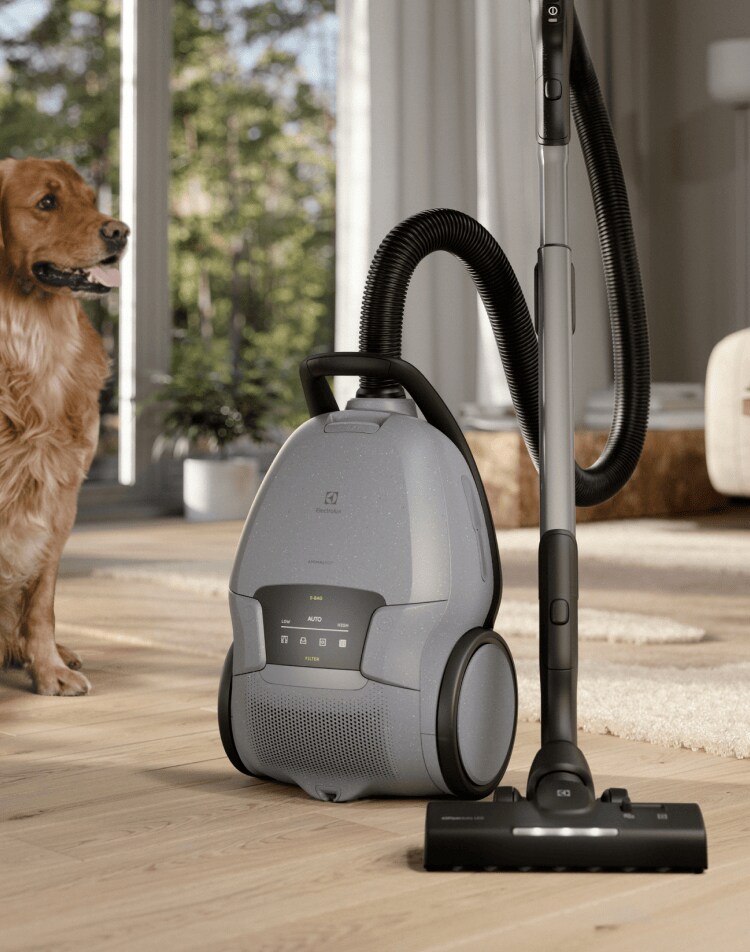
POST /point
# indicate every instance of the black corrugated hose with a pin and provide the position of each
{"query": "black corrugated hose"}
(444, 229)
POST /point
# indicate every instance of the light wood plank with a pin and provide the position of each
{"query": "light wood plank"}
(123, 826)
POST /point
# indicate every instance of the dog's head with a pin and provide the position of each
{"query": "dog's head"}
(53, 237)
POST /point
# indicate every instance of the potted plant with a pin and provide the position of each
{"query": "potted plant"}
(210, 405)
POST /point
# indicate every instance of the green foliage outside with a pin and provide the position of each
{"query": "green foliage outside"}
(209, 408)
(252, 188)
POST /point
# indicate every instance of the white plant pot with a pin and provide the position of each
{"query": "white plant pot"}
(219, 489)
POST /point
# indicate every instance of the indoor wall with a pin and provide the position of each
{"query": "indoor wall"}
(436, 109)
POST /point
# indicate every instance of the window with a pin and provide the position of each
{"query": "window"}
(251, 183)
(60, 98)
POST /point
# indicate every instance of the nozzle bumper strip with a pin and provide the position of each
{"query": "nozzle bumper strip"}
(605, 837)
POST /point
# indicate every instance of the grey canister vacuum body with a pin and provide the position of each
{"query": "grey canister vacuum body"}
(364, 578)
(367, 579)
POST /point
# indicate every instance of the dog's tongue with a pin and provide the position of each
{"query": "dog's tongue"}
(109, 277)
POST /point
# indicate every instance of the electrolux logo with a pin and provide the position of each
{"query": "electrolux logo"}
(329, 504)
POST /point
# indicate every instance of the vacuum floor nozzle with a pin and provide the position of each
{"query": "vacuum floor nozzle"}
(516, 834)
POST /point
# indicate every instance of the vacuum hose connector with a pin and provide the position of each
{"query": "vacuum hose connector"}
(447, 230)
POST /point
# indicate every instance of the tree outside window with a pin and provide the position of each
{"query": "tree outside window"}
(252, 173)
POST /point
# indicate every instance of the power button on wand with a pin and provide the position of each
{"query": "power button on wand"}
(552, 89)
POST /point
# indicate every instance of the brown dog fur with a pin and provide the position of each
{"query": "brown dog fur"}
(52, 368)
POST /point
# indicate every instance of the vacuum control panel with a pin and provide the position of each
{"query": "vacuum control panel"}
(316, 626)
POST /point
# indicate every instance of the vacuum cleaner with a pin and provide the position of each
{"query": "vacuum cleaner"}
(367, 579)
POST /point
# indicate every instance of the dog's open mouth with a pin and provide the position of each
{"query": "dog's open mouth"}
(96, 279)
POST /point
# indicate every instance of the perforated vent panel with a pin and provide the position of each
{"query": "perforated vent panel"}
(330, 737)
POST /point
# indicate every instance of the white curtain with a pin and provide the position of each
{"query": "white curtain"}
(507, 180)
(406, 141)
(436, 108)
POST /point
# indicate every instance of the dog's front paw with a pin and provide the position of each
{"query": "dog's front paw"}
(57, 679)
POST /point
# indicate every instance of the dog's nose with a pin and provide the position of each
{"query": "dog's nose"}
(115, 232)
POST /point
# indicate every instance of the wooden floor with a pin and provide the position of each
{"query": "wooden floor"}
(124, 827)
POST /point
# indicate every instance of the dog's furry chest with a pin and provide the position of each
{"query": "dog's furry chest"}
(49, 388)
(38, 463)
(41, 451)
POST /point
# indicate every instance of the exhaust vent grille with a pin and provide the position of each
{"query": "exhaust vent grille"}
(320, 735)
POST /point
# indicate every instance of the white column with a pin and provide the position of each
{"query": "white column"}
(145, 319)
(592, 360)
(406, 141)
(353, 169)
(507, 179)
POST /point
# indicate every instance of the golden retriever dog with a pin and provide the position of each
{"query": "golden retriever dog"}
(55, 247)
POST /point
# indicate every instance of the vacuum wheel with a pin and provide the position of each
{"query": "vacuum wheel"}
(225, 714)
(477, 714)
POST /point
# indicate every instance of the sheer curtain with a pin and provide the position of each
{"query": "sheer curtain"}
(436, 108)
(406, 141)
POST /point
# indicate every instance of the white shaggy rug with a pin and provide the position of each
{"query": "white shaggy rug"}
(698, 708)
(515, 617)
(183, 576)
(522, 619)
(656, 543)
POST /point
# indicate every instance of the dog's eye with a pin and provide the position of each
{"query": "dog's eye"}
(47, 204)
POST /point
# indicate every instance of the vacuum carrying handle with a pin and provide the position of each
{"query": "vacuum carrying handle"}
(313, 371)
(320, 399)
